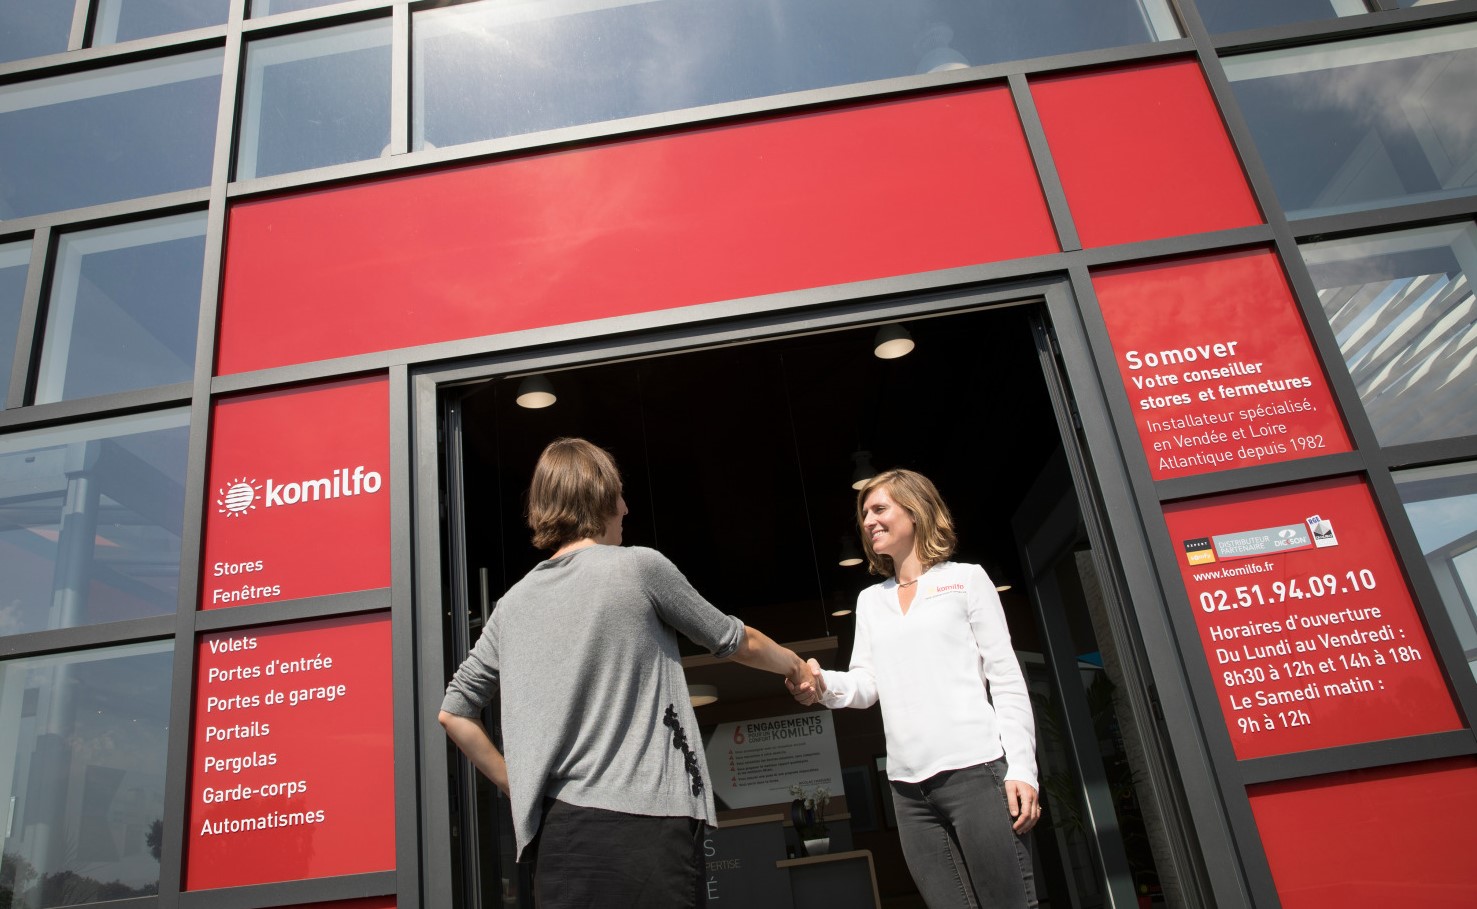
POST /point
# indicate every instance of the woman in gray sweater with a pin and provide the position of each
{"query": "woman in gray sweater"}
(603, 766)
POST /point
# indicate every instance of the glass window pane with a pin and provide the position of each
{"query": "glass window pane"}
(1350, 125)
(316, 99)
(1442, 505)
(90, 521)
(13, 260)
(107, 135)
(269, 7)
(1403, 310)
(31, 28)
(486, 70)
(82, 778)
(1234, 15)
(124, 20)
(125, 302)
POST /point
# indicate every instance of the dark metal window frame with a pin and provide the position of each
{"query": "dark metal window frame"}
(1214, 784)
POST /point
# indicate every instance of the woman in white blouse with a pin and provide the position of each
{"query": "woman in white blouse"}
(932, 646)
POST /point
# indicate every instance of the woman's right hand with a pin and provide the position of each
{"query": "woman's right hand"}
(811, 690)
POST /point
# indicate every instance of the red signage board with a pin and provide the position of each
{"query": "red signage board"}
(299, 494)
(292, 761)
(1219, 369)
(1310, 632)
(1372, 839)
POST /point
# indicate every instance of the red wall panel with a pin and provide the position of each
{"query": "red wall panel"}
(1142, 153)
(1218, 366)
(301, 503)
(1372, 839)
(723, 213)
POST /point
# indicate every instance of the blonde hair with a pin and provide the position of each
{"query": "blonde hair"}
(575, 488)
(934, 538)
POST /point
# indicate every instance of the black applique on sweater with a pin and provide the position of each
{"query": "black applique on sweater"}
(679, 741)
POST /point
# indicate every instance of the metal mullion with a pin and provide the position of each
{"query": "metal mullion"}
(176, 791)
(1404, 215)
(83, 637)
(70, 411)
(299, 892)
(274, 612)
(1436, 451)
(317, 16)
(112, 212)
(1259, 475)
(28, 330)
(400, 78)
(1340, 28)
(1363, 756)
(403, 656)
(81, 24)
(1045, 165)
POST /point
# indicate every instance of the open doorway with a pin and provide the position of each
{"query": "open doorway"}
(738, 462)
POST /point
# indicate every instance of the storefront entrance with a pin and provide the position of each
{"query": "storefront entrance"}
(738, 460)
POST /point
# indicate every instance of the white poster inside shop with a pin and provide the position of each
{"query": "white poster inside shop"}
(755, 762)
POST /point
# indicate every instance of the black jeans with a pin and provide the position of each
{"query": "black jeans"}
(590, 857)
(957, 838)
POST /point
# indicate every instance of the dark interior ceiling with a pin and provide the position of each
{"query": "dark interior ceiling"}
(737, 460)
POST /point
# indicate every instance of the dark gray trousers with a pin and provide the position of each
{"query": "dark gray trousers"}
(956, 834)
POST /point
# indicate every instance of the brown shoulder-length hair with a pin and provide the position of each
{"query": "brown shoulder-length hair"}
(576, 486)
(934, 537)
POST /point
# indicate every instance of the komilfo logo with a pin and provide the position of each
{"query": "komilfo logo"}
(239, 497)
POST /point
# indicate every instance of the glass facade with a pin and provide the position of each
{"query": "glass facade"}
(110, 112)
(90, 521)
(125, 301)
(489, 70)
(316, 99)
(1355, 124)
(1403, 310)
(1441, 503)
(106, 135)
(82, 744)
(14, 257)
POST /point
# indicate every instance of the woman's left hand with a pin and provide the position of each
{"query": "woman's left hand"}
(1024, 805)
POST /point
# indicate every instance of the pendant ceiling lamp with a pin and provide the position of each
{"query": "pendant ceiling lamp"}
(535, 392)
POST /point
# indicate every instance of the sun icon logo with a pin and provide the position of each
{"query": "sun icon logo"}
(237, 497)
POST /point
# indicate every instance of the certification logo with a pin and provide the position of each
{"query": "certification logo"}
(1199, 551)
(1246, 544)
(1322, 530)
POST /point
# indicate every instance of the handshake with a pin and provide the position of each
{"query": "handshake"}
(806, 683)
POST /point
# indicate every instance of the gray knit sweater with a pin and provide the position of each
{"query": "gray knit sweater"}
(595, 709)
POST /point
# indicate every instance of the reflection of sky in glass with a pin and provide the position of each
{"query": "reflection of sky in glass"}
(1403, 310)
(125, 305)
(1234, 15)
(500, 69)
(127, 474)
(270, 7)
(13, 260)
(1342, 126)
(31, 28)
(316, 99)
(1441, 502)
(85, 734)
(120, 133)
(125, 20)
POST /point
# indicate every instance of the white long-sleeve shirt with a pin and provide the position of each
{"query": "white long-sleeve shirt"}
(930, 667)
